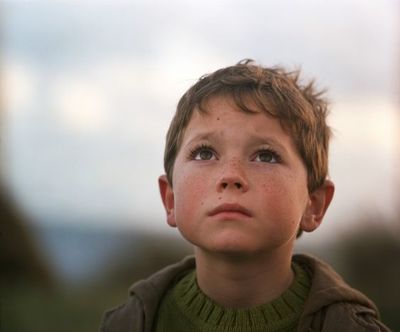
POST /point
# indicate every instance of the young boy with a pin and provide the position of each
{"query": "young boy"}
(246, 164)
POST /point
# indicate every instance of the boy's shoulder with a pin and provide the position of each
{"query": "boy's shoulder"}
(333, 305)
(138, 312)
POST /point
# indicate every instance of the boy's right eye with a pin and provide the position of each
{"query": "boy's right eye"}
(202, 153)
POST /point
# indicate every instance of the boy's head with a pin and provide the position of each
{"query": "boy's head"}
(300, 109)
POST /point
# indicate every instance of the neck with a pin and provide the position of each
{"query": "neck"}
(242, 281)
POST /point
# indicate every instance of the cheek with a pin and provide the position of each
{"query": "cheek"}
(190, 192)
(283, 198)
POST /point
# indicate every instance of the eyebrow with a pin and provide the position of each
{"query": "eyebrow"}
(201, 136)
(209, 136)
(269, 141)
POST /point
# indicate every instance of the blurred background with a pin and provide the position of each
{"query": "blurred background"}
(88, 89)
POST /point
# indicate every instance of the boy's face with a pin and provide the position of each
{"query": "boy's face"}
(239, 184)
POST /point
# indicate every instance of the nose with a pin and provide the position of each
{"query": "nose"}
(233, 177)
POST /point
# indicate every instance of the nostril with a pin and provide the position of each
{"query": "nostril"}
(226, 184)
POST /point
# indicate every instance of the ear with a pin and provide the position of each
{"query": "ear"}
(319, 202)
(167, 196)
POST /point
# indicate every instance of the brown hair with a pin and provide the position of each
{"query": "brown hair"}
(300, 108)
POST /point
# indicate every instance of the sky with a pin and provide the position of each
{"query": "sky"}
(89, 89)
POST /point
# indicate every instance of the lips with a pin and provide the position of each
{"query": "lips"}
(230, 208)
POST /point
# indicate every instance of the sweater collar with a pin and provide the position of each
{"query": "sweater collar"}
(280, 314)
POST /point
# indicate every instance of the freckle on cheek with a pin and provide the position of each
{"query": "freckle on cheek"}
(219, 198)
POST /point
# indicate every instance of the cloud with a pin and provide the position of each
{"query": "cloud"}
(80, 107)
(370, 122)
(18, 89)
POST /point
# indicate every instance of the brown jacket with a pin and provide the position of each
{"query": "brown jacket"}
(331, 306)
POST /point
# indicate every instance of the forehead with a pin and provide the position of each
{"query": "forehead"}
(219, 106)
(221, 115)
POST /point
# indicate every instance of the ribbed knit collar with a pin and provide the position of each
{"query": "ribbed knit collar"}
(281, 314)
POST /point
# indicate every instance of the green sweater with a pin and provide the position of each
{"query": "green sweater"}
(186, 308)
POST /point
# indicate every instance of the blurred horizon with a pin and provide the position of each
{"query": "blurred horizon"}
(90, 270)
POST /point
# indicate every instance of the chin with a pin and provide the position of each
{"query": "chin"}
(231, 248)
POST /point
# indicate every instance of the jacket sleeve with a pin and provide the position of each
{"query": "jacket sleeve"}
(348, 317)
(126, 317)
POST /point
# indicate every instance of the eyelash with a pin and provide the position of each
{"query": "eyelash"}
(274, 154)
(204, 147)
(193, 153)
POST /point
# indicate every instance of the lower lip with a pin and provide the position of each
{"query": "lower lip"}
(230, 215)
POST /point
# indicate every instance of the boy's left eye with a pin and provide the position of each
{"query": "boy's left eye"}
(267, 156)
(202, 153)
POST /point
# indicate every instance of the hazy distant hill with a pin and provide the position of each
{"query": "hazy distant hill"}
(78, 254)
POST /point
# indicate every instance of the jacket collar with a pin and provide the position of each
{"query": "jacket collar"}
(327, 288)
